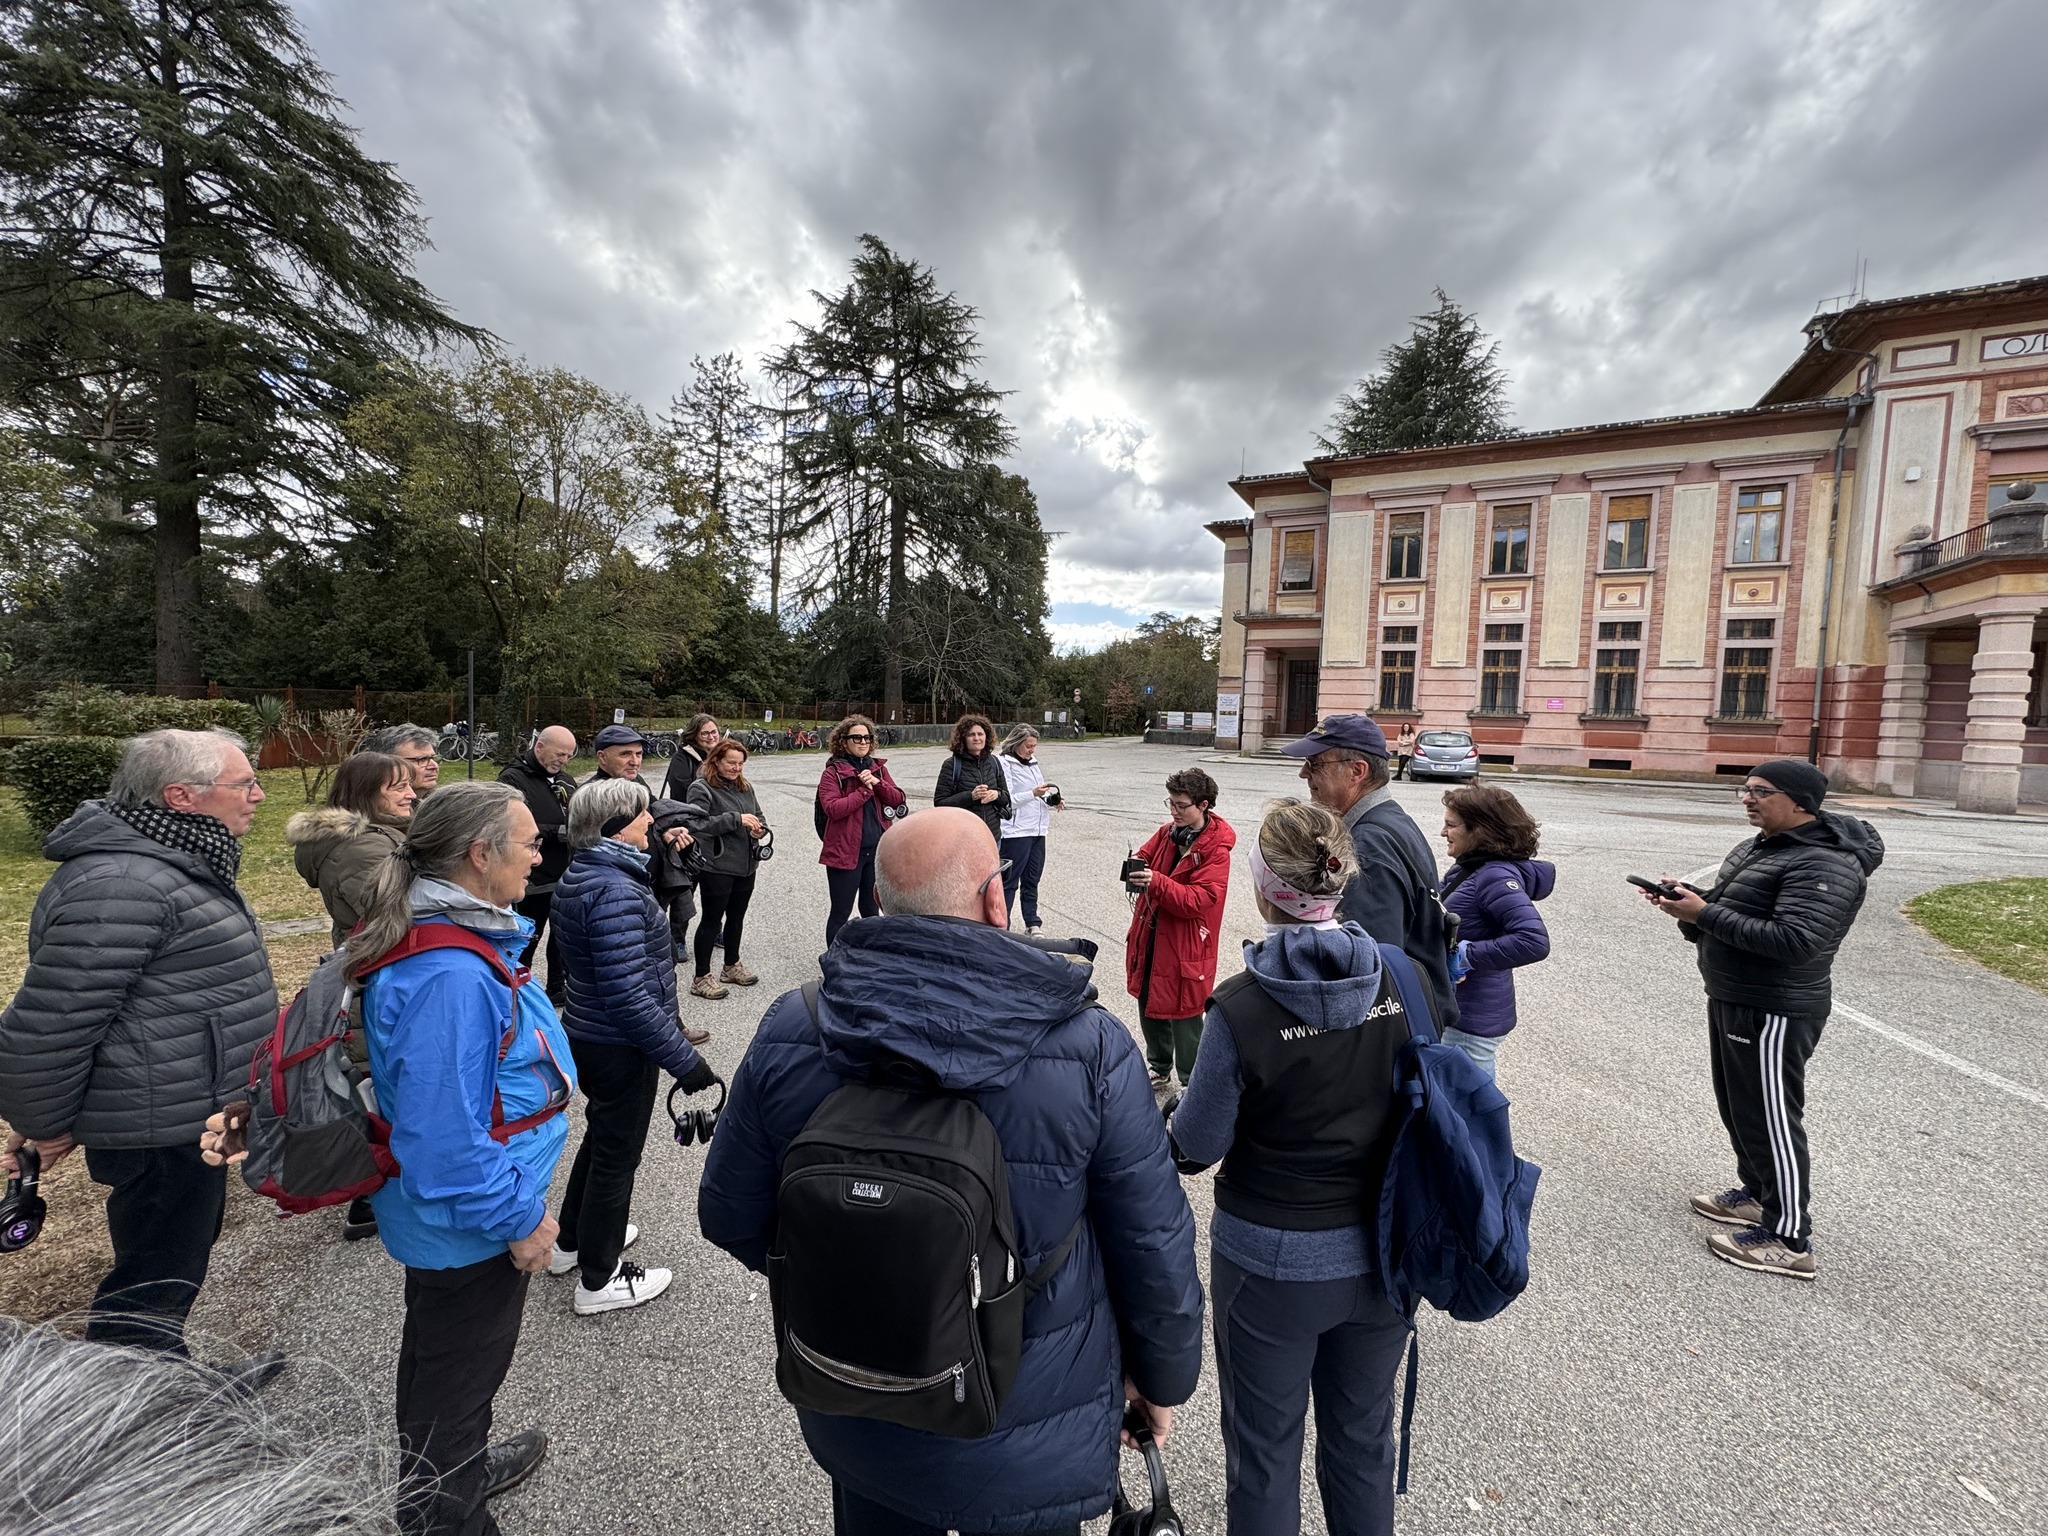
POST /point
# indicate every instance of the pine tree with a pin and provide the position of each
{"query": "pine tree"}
(718, 428)
(1441, 386)
(199, 269)
(893, 425)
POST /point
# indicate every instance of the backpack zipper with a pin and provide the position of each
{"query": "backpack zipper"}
(881, 1381)
(974, 1282)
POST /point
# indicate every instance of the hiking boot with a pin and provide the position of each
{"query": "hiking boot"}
(562, 1260)
(1035, 930)
(1763, 1251)
(1732, 1208)
(737, 975)
(1161, 1081)
(704, 986)
(629, 1286)
(696, 1036)
(361, 1222)
(511, 1462)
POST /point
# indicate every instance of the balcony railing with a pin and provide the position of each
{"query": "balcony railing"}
(2018, 532)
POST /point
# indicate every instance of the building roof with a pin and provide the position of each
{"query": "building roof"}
(1227, 529)
(1288, 482)
(1861, 326)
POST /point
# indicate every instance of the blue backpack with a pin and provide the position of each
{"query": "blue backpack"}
(1454, 1204)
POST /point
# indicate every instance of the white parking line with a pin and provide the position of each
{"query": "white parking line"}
(1936, 1053)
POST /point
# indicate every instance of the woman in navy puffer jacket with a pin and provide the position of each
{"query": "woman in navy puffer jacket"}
(1493, 885)
(622, 1025)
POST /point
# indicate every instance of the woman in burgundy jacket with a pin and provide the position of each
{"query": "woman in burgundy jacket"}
(1170, 952)
(856, 800)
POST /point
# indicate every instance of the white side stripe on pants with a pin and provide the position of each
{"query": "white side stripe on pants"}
(1771, 1070)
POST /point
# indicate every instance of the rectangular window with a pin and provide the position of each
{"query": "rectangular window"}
(1404, 546)
(1614, 680)
(1500, 671)
(1759, 524)
(1397, 679)
(1630, 630)
(1628, 533)
(2037, 688)
(1398, 634)
(1746, 671)
(1298, 560)
(1510, 555)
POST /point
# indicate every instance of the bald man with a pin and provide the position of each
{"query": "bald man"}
(542, 776)
(939, 981)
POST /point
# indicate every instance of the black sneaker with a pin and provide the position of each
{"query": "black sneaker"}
(253, 1374)
(361, 1222)
(511, 1462)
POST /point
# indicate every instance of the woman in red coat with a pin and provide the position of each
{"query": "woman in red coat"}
(1170, 952)
(856, 800)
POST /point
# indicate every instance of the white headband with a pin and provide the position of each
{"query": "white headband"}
(1310, 909)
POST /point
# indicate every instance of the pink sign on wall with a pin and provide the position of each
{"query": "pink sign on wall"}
(1553, 703)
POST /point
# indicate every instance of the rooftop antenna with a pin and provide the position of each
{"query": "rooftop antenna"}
(1240, 463)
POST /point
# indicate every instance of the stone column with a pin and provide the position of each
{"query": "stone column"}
(1252, 722)
(1996, 734)
(1903, 716)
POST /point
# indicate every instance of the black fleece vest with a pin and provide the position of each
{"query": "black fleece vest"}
(1313, 1117)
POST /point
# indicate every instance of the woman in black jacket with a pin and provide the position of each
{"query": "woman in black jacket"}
(732, 832)
(697, 738)
(972, 778)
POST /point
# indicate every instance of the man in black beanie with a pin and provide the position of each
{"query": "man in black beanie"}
(1767, 935)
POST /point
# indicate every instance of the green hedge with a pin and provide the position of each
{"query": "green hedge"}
(54, 773)
(87, 711)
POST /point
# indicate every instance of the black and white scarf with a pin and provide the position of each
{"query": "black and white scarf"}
(188, 832)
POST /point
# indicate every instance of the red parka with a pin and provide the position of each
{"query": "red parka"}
(1180, 918)
(845, 800)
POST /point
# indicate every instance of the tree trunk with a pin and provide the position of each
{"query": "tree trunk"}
(895, 642)
(177, 423)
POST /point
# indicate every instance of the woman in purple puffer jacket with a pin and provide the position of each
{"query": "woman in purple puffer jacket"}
(1494, 883)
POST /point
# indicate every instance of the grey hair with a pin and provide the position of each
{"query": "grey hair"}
(597, 803)
(155, 760)
(1017, 735)
(947, 893)
(1307, 846)
(130, 1442)
(389, 738)
(446, 826)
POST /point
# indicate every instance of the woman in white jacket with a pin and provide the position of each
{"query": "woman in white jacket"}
(1032, 802)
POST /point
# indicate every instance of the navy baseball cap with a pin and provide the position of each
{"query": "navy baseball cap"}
(619, 736)
(1353, 733)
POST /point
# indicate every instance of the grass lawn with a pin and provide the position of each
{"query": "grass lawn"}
(2001, 924)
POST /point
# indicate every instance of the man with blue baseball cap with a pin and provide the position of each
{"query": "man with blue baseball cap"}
(1393, 895)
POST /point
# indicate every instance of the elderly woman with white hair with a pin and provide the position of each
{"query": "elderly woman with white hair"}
(618, 959)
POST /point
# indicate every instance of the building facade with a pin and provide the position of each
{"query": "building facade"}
(1820, 574)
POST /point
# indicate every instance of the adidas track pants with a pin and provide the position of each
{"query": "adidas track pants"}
(1759, 1063)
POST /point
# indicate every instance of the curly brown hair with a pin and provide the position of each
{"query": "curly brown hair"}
(967, 723)
(1196, 785)
(1495, 819)
(835, 739)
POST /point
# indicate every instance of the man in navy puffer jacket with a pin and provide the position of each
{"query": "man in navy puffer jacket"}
(938, 981)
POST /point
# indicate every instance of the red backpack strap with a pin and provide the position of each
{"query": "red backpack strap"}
(421, 937)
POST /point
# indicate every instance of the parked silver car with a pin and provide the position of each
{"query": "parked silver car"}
(1444, 755)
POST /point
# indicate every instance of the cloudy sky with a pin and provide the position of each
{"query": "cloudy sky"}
(1188, 224)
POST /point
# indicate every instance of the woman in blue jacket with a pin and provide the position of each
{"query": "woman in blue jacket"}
(1493, 884)
(621, 1017)
(475, 1107)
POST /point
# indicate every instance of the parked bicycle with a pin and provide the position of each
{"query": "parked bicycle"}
(459, 743)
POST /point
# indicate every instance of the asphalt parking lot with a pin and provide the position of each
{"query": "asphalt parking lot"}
(1639, 1386)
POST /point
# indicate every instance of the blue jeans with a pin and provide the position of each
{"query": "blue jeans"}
(1481, 1048)
(1275, 1341)
(1027, 863)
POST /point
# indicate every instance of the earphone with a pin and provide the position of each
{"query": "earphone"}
(694, 1124)
(22, 1209)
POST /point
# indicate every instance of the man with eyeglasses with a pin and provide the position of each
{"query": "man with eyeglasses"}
(148, 988)
(413, 745)
(1767, 935)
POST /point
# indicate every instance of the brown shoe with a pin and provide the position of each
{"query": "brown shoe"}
(1732, 1208)
(697, 1036)
(1762, 1251)
(737, 975)
(704, 986)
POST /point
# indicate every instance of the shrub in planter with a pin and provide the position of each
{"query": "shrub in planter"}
(54, 773)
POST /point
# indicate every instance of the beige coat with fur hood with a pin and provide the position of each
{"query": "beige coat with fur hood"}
(340, 854)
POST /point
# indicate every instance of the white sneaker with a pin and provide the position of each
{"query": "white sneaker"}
(629, 1286)
(562, 1260)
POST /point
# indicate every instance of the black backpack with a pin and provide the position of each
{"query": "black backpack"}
(894, 1275)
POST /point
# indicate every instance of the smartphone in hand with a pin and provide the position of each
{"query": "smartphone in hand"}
(1664, 888)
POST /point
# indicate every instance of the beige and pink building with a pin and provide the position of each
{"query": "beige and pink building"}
(1832, 571)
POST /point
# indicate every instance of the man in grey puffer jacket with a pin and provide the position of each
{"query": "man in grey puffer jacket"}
(1767, 935)
(148, 988)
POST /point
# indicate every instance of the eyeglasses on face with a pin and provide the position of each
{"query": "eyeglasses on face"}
(1757, 792)
(1179, 807)
(243, 787)
(858, 736)
(419, 759)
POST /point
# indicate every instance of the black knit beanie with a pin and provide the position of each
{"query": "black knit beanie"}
(1806, 784)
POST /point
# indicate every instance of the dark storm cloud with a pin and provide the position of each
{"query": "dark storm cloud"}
(1188, 225)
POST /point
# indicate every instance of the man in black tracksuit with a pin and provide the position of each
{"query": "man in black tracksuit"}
(1767, 935)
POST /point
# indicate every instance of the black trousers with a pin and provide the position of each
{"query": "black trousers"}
(619, 1083)
(725, 899)
(853, 1515)
(163, 1214)
(847, 885)
(461, 1331)
(681, 908)
(536, 909)
(1759, 1062)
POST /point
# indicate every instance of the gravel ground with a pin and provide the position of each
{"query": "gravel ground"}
(1639, 1386)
